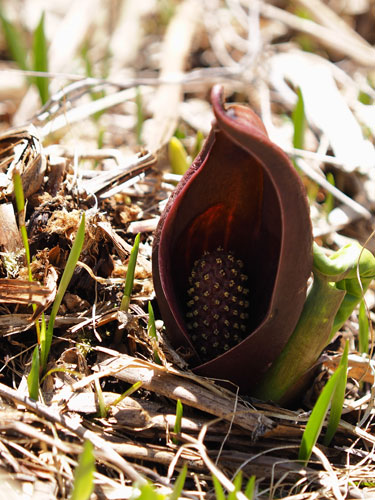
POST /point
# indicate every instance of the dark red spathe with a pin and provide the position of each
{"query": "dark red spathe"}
(242, 194)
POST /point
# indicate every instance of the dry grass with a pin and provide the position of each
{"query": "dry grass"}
(85, 154)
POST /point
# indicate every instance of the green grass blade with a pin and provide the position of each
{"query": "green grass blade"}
(33, 377)
(199, 138)
(42, 337)
(177, 424)
(329, 201)
(318, 414)
(15, 42)
(151, 330)
(64, 282)
(147, 492)
(84, 474)
(250, 488)
(151, 327)
(140, 117)
(219, 492)
(363, 336)
(20, 203)
(127, 393)
(178, 156)
(40, 59)
(337, 399)
(299, 122)
(179, 484)
(129, 281)
(18, 192)
(237, 482)
(61, 370)
(99, 393)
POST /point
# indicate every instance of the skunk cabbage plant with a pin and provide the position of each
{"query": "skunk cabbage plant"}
(233, 251)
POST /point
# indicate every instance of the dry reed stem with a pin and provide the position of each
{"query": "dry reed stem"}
(103, 448)
(170, 383)
(176, 46)
(343, 43)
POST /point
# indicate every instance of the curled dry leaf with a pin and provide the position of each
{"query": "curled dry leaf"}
(21, 150)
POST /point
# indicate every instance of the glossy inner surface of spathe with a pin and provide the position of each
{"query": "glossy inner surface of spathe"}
(230, 202)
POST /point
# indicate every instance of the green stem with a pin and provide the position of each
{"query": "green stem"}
(309, 338)
(340, 281)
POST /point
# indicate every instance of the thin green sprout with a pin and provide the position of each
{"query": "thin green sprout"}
(64, 282)
(337, 399)
(219, 491)
(102, 406)
(179, 484)
(33, 377)
(199, 138)
(250, 488)
(129, 280)
(178, 420)
(128, 392)
(363, 334)
(140, 117)
(40, 59)
(83, 484)
(61, 370)
(20, 203)
(178, 156)
(15, 42)
(329, 201)
(151, 330)
(299, 122)
(237, 483)
(318, 414)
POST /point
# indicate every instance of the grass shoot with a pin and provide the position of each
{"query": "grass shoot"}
(363, 332)
(151, 330)
(40, 59)
(20, 203)
(83, 484)
(125, 394)
(178, 420)
(140, 117)
(33, 377)
(331, 394)
(299, 122)
(129, 280)
(64, 282)
(101, 403)
(178, 156)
